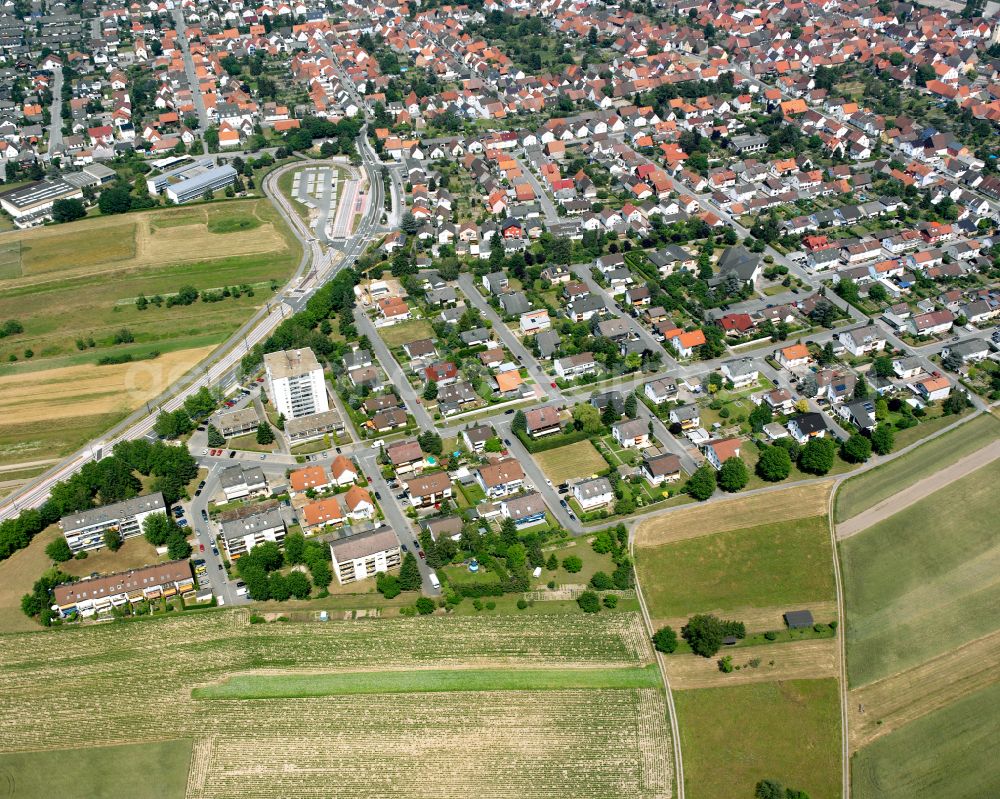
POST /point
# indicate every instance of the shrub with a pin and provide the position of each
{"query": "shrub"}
(610, 601)
(572, 564)
(601, 581)
(665, 640)
(726, 664)
(771, 635)
(424, 605)
(491, 605)
(589, 602)
(522, 604)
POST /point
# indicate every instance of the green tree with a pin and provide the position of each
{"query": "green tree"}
(589, 602)
(760, 416)
(609, 415)
(774, 464)
(388, 585)
(572, 564)
(861, 388)
(177, 545)
(424, 606)
(215, 438)
(200, 404)
(115, 200)
(857, 449)
(298, 585)
(704, 634)
(265, 435)
(409, 573)
(733, 475)
(157, 528)
(112, 540)
(816, 457)
(631, 405)
(701, 484)
(431, 390)
(68, 210)
(295, 548)
(552, 563)
(665, 640)
(883, 439)
(587, 418)
(430, 442)
(519, 424)
(173, 425)
(58, 550)
(601, 581)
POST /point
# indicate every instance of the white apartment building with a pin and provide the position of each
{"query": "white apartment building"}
(85, 529)
(360, 556)
(295, 383)
(239, 536)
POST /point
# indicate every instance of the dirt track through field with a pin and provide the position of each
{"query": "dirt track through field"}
(907, 696)
(760, 620)
(734, 514)
(796, 660)
(903, 499)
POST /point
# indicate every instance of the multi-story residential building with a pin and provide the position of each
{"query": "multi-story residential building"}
(99, 594)
(239, 536)
(242, 481)
(430, 488)
(295, 383)
(501, 478)
(525, 510)
(236, 423)
(84, 530)
(360, 556)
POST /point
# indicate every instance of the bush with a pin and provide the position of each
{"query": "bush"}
(665, 640)
(610, 601)
(726, 664)
(771, 635)
(601, 581)
(491, 605)
(522, 604)
(388, 585)
(572, 564)
(424, 605)
(589, 602)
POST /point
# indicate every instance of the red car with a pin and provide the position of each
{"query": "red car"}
(202, 547)
(421, 554)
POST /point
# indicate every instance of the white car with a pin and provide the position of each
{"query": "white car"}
(377, 444)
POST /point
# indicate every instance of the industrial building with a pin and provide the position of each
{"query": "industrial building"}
(32, 204)
(190, 181)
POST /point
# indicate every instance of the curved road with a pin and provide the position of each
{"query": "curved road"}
(315, 269)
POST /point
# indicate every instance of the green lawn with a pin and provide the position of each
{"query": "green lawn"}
(923, 581)
(946, 754)
(43, 439)
(571, 461)
(765, 566)
(148, 770)
(399, 334)
(735, 736)
(424, 681)
(868, 489)
(249, 443)
(592, 562)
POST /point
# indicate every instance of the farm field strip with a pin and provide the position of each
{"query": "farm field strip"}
(730, 514)
(909, 695)
(950, 752)
(278, 686)
(924, 581)
(868, 489)
(791, 661)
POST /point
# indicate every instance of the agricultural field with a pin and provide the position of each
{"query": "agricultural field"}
(73, 290)
(923, 581)
(592, 724)
(149, 770)
(868, 489)
(780, 564)
(733, 737)
(571, 461)
(946, 754)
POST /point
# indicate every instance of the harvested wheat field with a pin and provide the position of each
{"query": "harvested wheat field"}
(734, 514)
(61, 689)
(790, 661)
(91, 389)
(897, 700)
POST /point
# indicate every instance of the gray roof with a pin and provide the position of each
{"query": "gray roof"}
(381, 539)
(117, 510)
(238, 528)
(233, 476)
(593, 488)
(524, 505)
(740, 260)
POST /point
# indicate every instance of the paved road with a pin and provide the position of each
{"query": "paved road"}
(393, 370)
(507, 337)
(548, 207)
(903, 499)
(55, 112)
(192, 78)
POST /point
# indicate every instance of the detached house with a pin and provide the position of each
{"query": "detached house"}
(501, 478)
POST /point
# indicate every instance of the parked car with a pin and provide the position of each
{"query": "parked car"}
(404, 547)
(232, 453)
(421, 554)
(201, 547)
(378, 496)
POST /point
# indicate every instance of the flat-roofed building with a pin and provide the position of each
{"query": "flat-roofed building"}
(84, 530)
(236, 423)
(191, 181)
(295, 383)
(239, 536)
(99, 594)
(358, 557)
(32, 204)
(313, 426)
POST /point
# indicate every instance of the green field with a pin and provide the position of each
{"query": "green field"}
(947, 754)
(399, 334)
(571, 461)
(923, 581)
(149, 770)
(580, 739)
(765, 566)
(432, 680)
(868, 489)
(733, 737)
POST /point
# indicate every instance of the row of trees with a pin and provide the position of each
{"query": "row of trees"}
(704, 633)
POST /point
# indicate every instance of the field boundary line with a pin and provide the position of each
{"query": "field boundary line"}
(845, 754)
(675, 732)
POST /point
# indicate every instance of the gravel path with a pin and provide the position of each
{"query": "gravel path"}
(897, 502)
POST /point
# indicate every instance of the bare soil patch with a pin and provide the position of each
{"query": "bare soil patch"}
(734, 514)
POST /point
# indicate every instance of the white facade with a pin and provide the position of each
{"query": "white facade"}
(295, 383)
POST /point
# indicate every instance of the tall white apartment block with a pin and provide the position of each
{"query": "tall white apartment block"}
(295, 383)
